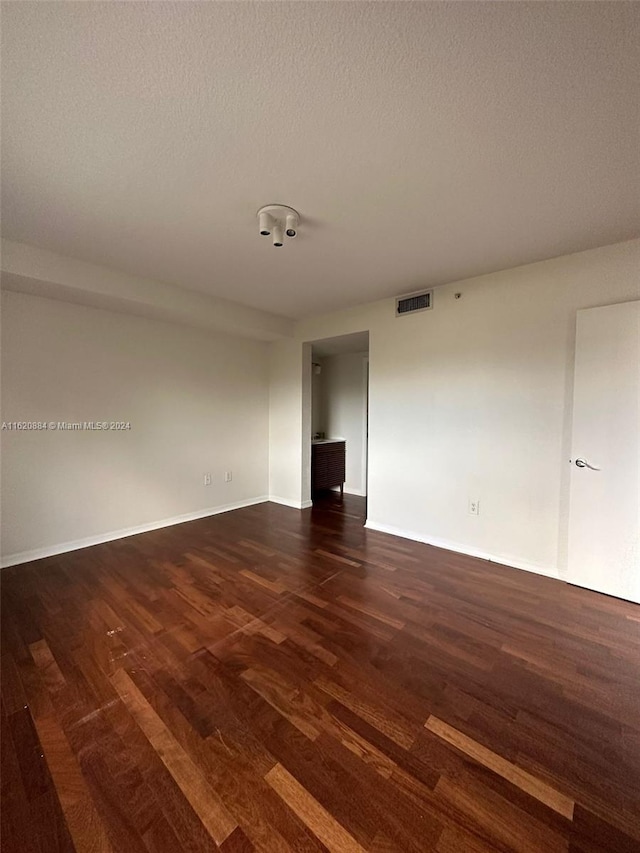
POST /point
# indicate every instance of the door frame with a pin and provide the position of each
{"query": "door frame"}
(365, 426)
(306, 422)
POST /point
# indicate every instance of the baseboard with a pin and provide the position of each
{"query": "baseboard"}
(286, 502)
(64, 547)
(512, 562)
(348, 490)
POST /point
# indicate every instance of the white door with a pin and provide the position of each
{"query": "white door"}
(604, 517)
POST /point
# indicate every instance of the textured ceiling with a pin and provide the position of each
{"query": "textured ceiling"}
(421, 142)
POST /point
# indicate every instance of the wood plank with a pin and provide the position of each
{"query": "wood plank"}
(46, 663)
(274, 586)
(371, 611)
(536, 787)
(203, 798)
(311, 813)
(85, 823)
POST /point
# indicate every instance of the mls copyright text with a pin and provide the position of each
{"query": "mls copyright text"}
(65, 426)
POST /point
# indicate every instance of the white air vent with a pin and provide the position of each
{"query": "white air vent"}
(412, 302)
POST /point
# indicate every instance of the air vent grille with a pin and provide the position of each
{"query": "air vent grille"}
(413, 302)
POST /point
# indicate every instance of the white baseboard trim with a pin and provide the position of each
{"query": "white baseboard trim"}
(64, 547)
(293, 504)
(512, 562)
(350, 491)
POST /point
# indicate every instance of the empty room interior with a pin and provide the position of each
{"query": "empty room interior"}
(320, 344)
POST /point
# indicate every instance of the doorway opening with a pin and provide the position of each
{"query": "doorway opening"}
(339, 423)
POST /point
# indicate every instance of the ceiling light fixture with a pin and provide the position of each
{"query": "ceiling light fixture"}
(278, 234)
(278, 220)
(266, 223)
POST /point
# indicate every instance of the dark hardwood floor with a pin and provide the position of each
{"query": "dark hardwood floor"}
(274, 680)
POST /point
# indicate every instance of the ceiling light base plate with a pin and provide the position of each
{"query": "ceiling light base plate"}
(278, 211)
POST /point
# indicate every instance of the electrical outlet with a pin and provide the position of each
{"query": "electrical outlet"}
(207, 479)
(228, 476)
(474, 506)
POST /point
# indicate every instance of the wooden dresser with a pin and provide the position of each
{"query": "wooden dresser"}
(327, 465)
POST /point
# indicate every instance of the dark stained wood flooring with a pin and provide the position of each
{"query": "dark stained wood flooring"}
(272, 680)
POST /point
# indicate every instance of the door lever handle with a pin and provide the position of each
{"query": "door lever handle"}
(582, 463)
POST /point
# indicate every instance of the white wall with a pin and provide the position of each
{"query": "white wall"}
(289, 398)
(344, 412)
(197, 402)
(474, 400)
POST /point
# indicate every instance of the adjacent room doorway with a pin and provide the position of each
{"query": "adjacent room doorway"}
(339, 423)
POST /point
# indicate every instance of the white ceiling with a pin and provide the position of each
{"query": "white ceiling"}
(421, 142)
